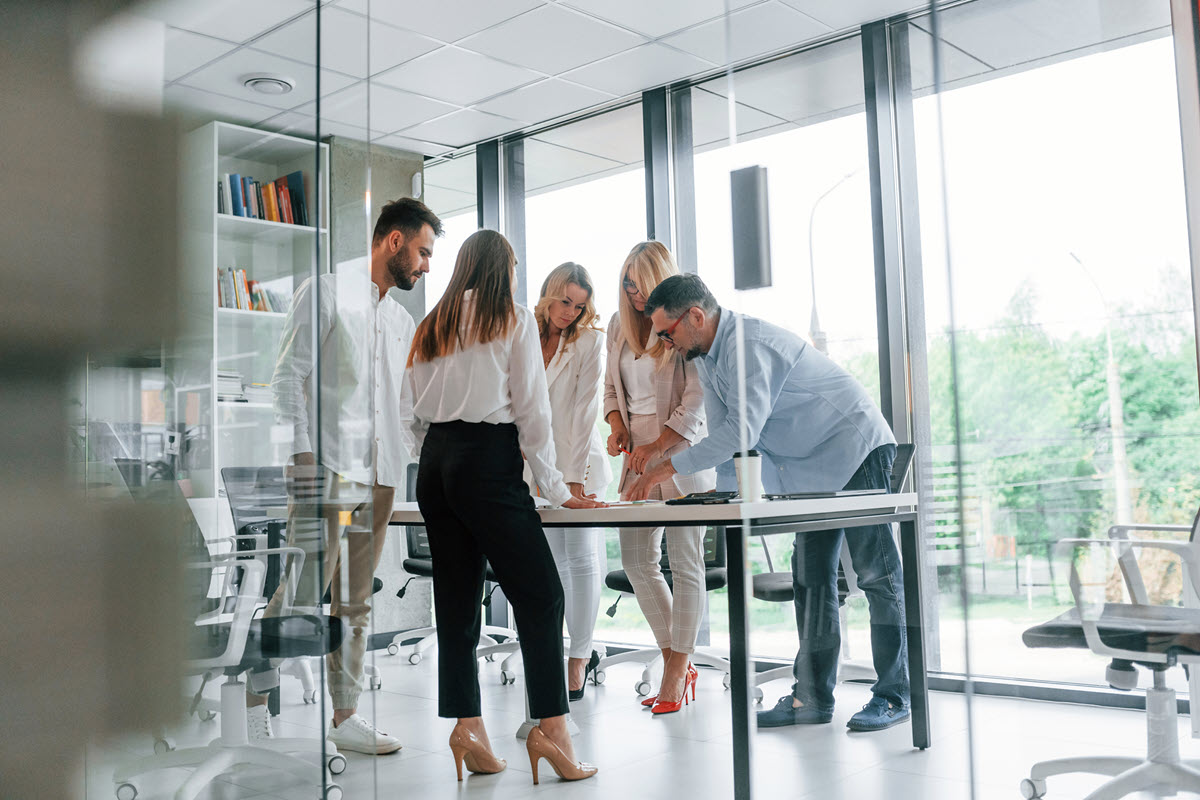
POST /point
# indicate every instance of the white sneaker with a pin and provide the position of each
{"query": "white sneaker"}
(258, 723)
(356, 734)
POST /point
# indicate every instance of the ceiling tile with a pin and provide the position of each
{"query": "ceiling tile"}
(185, 51)
(390, 109)
(956, 64)
(462, 128)
(457, 76)
(292, 123)
(638, 69)
(544, 100)
(232, 20)
(656, 18)
(225, 77)
(215, 106)
(410, 145)
(451, 20)
(552, 40)
(446, 202)
(710, 118)
(548, 164)
(616, 135)
(457, 174)
(809, 84)
(344, 42)
(1022, 31)
(854, 13)
(754, 31)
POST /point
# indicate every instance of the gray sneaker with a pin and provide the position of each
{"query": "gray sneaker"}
(785, 714)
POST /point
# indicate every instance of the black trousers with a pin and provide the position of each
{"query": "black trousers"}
(477, 511)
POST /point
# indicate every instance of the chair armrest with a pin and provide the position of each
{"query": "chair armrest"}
(1128, 564)
(1187, 554)
(243, 612)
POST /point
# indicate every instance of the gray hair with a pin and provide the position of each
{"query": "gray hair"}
(678, 293)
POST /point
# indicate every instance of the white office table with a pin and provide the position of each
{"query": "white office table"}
(768, 517)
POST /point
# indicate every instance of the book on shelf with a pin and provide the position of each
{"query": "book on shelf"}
(236, 290)
(229, 386)
(281, 200)
(258, 393)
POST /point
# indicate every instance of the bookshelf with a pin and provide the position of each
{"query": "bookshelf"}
(223, 347)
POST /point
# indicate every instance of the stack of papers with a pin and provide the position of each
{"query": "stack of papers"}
(229, 385)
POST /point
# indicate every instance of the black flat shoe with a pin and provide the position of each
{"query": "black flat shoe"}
(593, 662)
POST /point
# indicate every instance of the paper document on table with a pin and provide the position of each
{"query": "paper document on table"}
(635, 502)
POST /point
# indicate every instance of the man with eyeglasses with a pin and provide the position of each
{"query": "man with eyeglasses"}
(817, 429)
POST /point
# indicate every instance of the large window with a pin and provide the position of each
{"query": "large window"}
(802, 118)
(1072, 315)
(450, 193)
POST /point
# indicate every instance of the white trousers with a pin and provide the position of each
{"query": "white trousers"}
(579, 556)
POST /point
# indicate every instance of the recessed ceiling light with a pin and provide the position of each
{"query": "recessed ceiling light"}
(268, 83)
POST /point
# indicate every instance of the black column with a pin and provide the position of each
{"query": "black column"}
(656, 136)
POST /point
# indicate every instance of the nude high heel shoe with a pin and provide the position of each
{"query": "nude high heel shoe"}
(539, 746)
(466, 746)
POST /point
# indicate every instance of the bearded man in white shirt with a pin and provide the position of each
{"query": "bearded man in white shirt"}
(343, 485)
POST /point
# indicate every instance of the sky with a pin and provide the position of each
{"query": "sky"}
(1082, 157)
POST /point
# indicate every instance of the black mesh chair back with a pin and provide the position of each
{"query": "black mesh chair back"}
(716, 574)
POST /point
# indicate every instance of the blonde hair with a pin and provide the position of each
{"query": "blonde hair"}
(554, 288)
(485, 264)
(648, 264)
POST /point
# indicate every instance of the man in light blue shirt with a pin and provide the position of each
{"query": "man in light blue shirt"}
(817, 430)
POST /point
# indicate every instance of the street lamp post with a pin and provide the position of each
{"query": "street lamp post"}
(1116, 412)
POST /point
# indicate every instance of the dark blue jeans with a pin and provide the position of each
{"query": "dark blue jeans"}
(814, 577)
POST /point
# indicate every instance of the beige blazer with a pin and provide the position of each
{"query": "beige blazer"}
(573, 380)
(679, 405)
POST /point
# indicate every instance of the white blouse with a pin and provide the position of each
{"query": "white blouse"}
(499, 382)
(638, 376)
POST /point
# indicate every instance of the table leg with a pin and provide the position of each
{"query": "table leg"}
(914, 617)
(739, 659)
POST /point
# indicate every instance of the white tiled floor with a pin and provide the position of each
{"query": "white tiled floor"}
(684, 755)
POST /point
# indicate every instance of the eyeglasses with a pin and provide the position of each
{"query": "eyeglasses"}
(630, 287)
(667, 334)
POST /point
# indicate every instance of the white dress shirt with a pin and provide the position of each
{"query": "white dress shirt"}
(573, 378)
(365, 401)
(498, 382)
(638, 376)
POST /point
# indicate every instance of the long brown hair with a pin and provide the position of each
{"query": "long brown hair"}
(648, 264)
(554, 288)
(485, 264)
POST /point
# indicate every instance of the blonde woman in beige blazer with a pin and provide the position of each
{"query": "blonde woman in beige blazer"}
(654, 404)
(573, 354)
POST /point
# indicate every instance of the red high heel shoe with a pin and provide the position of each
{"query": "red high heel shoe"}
(689, 679)
(649, 701)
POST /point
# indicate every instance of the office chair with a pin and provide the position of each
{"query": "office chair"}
(1134, 633)
(777, 587)
(716, 576)
(250, 491)
(419, 564)
(232, 647)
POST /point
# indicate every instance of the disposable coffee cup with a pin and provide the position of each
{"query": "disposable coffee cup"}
(748, 464)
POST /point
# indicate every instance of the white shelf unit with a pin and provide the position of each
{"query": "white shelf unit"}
(279, 255)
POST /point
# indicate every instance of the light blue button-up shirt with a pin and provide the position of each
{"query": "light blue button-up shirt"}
(813, 423)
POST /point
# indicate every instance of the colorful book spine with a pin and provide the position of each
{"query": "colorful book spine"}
(295, 184)
(237, 200)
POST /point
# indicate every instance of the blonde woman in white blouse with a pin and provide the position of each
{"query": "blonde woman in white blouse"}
(479, 401)
(573, 354)
(654, 404)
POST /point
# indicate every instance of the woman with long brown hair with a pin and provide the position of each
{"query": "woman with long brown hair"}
(654, 404)
(573, 354)
(479, 401)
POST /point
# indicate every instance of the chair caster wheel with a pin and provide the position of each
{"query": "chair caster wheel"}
(126, 791)
(207, 716)
(758, 695)
(376, 683)
(393, 649)
(507, 677)
(1032, 789)
(163, 745)
(337, 764)
(642, 688)
(598, 676)
(725, 681)
(415, 658)
(332, 792)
